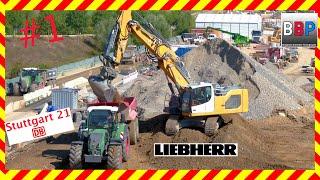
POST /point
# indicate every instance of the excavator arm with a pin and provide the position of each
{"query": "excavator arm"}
(168, 61)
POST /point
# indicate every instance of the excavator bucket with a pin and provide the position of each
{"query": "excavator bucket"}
(104, 91)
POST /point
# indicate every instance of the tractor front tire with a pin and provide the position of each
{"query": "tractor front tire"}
(134, 131)
(125, 150)
(114, 159)
(16, 89)
(75, 156)
(126, 146)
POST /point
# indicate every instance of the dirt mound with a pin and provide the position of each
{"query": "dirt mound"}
(260, 145)
(151, 93)
(220, 62)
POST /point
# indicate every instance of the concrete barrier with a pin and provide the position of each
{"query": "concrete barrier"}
(76, 83)
(37, 95)
(13, 106)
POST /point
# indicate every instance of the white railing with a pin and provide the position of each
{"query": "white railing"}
(13, 106)
(37, 95)
(76, 83)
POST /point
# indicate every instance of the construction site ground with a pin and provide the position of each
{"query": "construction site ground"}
(272, 137)
(275, 142)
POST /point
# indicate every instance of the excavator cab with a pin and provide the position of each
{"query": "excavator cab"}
(206, 99)
(197, 99)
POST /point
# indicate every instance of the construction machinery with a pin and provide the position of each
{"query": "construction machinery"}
(307, 69)
(31, 79)
(276, 37)
(104, 135)
(256, 36)
(200, 104)
(291, 55)
(312, 62)
(238, 39)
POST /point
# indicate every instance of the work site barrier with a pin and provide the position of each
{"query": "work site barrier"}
(76, 83)
(67, 69)
(13, 106)
(37, 95)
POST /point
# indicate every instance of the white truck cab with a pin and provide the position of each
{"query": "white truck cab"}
(211, 37)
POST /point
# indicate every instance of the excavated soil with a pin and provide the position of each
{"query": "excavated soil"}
(220, 62)
(275, 142)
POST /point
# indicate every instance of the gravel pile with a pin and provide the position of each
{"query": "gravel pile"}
(224, 63)
(150, 92)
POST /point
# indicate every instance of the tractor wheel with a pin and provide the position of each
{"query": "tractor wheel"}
(114, 160)
(172, 125)
(75, 156)
(134, 131)
(125, 149)
(16, 89)
(33, 87)
(211, 125)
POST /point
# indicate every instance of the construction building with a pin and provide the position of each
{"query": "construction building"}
(243, 24)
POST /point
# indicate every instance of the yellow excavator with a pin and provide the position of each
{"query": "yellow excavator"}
(200, 104)
(276, 37)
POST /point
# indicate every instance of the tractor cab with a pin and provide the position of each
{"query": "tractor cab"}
(98, 118)
(29, 72)
(101, 116)
(102, 133)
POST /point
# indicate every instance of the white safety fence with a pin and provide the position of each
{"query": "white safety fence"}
(76, 83)
(13, 106)
(37, 95)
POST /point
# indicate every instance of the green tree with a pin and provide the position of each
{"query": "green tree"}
(60, 21)
(178, 24)
(45, 28)
(78, 21)
(15, 70)
(103, 22)
(15, 20)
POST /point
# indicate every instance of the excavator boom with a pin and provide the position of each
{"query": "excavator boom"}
(168, 61)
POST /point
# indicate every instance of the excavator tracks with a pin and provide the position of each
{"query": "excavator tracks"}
(172, 125)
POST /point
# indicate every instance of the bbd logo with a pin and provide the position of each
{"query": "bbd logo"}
(299, 29)
(38, 132)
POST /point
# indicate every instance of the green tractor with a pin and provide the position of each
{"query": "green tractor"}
(31, 79)
(105, 136)
(238, 39)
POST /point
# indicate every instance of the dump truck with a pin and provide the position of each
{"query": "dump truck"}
(31, 79)
(105, 134)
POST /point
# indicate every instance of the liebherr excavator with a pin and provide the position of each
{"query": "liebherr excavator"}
(200, 104)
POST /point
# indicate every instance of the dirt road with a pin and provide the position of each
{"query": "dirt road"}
(275, 142)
